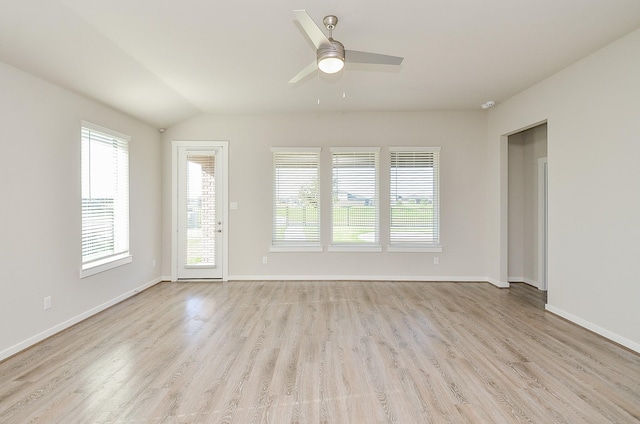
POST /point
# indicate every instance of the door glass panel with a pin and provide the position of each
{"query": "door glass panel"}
(201, 211)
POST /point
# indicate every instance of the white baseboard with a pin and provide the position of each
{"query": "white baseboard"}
(595, 328)
(525, 280)
(498, 283)
(355, 278)
(70, 322)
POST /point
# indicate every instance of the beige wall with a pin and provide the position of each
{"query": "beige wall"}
(40, 223)
(460, 134)
(591, 109)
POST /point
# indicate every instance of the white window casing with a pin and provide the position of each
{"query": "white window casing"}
(414, 196)
(105, 199)
(355, 199)
(296, 199)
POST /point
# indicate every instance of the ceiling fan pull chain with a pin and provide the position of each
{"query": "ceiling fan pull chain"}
(343, 82)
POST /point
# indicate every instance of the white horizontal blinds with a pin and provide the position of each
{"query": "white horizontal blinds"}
(296, 197)
(201, 210)
(355, 196)
(414, 197)
(105, 196)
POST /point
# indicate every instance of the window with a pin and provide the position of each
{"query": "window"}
(414, 198)
(355, 200)
(105, 199)
(296, 199)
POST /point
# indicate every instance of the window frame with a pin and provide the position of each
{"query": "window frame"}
(435, 246)
(293, 245)
(374, 246)
(105, 262)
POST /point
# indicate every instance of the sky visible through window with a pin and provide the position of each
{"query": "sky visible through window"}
(100, 185)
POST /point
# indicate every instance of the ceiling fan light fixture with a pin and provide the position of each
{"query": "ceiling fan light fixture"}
(331, 59)
(331, 65)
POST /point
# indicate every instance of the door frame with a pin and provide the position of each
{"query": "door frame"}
(503, 214)
(543, 220)
(223, 147)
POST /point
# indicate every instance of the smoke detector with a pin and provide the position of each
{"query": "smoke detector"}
(488, 105)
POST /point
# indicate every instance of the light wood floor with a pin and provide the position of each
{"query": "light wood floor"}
(324, 352)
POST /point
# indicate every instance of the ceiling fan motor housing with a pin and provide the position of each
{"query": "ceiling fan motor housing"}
(334, 50)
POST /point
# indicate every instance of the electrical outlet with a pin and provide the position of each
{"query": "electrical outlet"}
(47, 302)
(436, 260)
(265, 260)
(153, 263)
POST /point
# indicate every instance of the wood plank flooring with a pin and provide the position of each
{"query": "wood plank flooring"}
(324, 352)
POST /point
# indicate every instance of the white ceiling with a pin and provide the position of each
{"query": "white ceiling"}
(164, 61)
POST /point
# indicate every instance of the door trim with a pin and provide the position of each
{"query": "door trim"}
(543, 205)
(223, 147)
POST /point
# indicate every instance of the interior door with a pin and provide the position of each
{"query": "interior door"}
(199, 213)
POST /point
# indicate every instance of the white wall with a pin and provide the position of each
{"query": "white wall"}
(40, 224)
(594, 197)
(461, 135)
(516, 208)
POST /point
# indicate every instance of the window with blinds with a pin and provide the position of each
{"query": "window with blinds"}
(105, 196)
(355, 200)
(296, 197)
(414, 197)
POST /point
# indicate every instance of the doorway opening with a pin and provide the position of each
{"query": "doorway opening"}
(527, 206)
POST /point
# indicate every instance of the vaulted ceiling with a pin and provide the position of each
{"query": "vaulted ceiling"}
(164, 61)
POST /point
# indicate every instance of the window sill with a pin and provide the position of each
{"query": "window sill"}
(295, 249)
(418, 249)
(353, 248)
(105, 266)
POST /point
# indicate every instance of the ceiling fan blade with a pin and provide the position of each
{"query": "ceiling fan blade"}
(314, 33)
(306, 71)
(354, 56)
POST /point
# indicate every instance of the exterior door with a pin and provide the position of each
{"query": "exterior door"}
(199, 213)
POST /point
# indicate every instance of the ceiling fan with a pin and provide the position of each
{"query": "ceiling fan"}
(331, 54)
